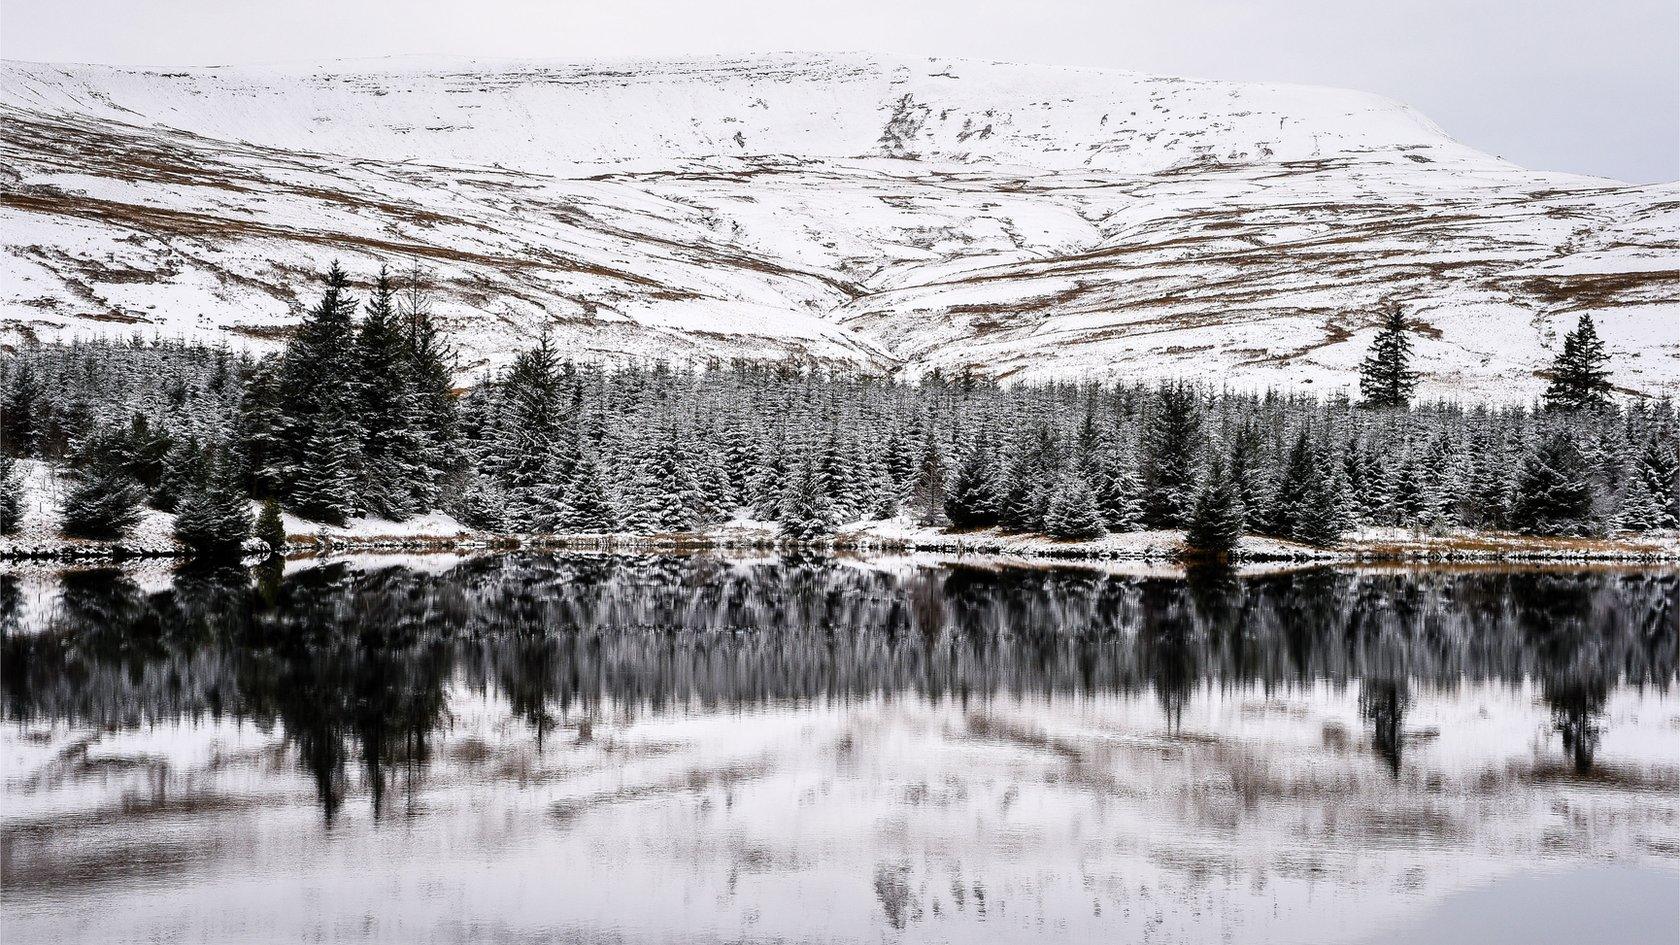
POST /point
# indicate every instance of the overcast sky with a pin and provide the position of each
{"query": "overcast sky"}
(1591, 86)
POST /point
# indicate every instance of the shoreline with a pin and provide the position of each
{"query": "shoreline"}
(1367, 546)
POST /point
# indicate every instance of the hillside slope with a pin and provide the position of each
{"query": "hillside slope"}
(892, 215)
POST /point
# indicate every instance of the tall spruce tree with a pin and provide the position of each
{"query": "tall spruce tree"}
(1659, 467)
(270, 528)
(1289, 509)
(1638, 510)
(528, 434)
(1174, 438)
(433, 413)
(1385, 376)
(390, 445)
(318, 386)
(1118, 494)
(589, 509)
(927, 494)
(1580, 380)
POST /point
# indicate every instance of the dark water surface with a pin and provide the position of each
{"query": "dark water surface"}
(534, 749)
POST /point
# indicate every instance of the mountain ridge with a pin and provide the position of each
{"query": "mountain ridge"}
(1022, 221)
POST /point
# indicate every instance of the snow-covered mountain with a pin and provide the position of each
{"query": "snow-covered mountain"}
(889, 214)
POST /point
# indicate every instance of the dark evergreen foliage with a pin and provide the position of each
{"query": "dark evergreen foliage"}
(1173, 432)
(11, 496)
(1554, 490)
(1218, 518)
(214, 518)
(1072, 511)
(104, 502)
(1580, 378)
(972, 499)
(271, 528)
(1386, 378)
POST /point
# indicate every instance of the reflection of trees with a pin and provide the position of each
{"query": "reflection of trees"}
(1170, 635)
(354, 665)
(1576, 707)
(342, 663)
(1383, 703)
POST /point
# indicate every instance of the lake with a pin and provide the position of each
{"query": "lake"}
(705, 749)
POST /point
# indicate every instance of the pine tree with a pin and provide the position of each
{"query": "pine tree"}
(927, 495)
(589, 510)
(1579, 378)
(1324, 516)
(805, 516)
(182, 468)
(972, 500)
(528, 436)
(260, 432)
(1485, 498)
(1638, 510)
(104, 502)
(1248, 471)
(1438, 486)
(214, 519)
(1659, 467)
(1073, 512)
(434, 415)
(325, 478)
(11, 496)
(1216, 522)
(390, 446)
(770, 483)
(1288, 510)
(270, 527)
(1385, 376)
(483, 503)
(18, 413)
(835, 477)
(1174, 437)
(740, 460)
(901, 459)
(1025, 496)
(318, 409)
(1119, 497)
(1554, 494)
(1405, 492)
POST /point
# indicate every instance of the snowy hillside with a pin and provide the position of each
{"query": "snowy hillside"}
(880, 213)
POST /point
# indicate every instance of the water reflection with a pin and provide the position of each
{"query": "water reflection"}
(353, 662)
(615, 749)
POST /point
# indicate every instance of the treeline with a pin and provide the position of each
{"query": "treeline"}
(357, 417)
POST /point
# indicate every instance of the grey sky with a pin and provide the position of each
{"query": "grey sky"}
(1591, 86)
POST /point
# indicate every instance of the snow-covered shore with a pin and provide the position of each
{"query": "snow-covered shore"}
(39, 537)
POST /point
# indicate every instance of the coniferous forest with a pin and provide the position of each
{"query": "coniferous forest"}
(359, 416)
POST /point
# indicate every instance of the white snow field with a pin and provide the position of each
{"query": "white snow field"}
(882, 214)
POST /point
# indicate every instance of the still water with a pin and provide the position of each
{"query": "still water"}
(696, 749)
